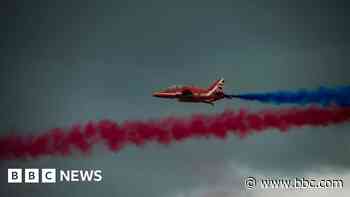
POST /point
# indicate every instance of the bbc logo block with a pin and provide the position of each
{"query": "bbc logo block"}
(14, 175)
(48, 175)
(31, 175)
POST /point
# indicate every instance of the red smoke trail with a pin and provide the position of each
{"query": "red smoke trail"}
(165, 131)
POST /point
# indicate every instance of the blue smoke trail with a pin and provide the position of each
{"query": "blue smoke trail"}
(325, 96)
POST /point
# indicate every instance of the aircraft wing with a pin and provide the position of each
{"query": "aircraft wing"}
(186, 93)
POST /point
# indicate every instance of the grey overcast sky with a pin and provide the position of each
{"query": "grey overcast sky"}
(64, 62)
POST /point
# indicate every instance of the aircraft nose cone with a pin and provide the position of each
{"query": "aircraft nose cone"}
(156, 94)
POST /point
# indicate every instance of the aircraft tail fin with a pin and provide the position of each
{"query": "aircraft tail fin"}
(217, 85)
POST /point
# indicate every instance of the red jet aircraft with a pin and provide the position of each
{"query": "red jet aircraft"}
(194, 94)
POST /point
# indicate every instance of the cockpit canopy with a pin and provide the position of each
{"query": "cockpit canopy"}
(173, 87)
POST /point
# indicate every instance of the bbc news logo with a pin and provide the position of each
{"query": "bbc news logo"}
(51, 175)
